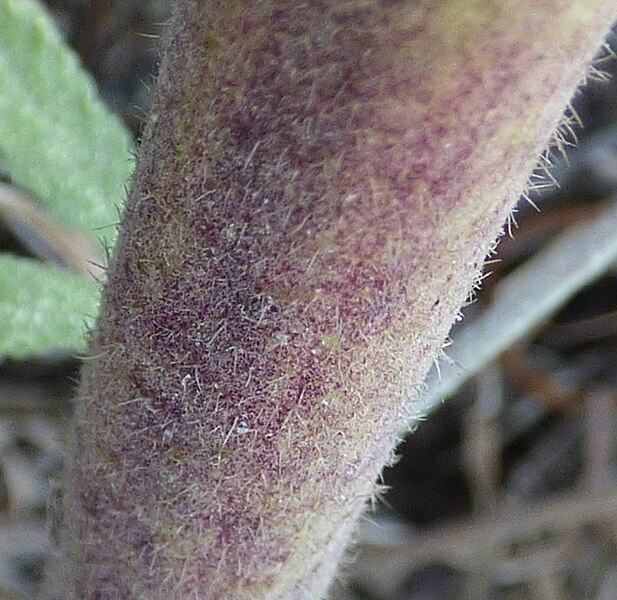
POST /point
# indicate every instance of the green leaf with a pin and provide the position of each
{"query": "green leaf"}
(57, 139)
(43, 307)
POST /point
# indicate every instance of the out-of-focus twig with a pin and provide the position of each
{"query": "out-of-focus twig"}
(46, 238)
(524, 300)
(383, 567)
(481, 446)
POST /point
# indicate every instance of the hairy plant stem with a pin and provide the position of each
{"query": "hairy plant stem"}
(316, 190)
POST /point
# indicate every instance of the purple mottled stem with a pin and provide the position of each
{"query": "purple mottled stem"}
(316, 191)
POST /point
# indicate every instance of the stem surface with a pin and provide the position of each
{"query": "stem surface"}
(316, 191)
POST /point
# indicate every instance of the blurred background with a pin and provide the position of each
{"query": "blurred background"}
(508, 489)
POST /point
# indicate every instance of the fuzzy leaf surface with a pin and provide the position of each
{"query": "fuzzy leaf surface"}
(57, 139)
(43, 307)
